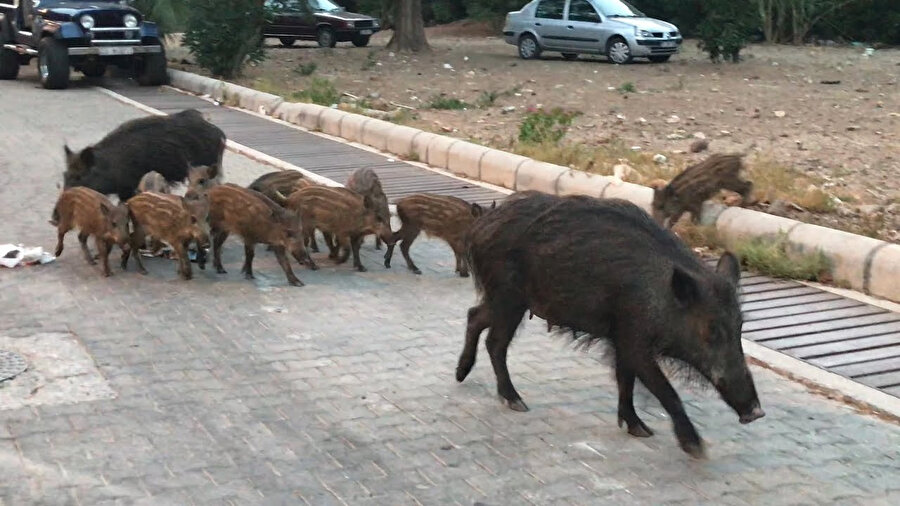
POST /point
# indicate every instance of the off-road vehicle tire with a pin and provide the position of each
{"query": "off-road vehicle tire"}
(361, 40)
(53, 64)
(325, 37)
(152, 70)
(287, 41)
(9, 64)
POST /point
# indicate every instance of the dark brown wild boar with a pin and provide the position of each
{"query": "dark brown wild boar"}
(441, 216)
(257, 219)
(699, 182)
(605, 269)
(165, 218)
(169, 145)
(153, 182)
(365, 182)
(280, 184)
(339, 213)
(93, 215)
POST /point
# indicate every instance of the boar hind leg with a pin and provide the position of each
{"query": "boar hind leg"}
(184, 263)
(462, 266)
(219, 237)
(389, 254)
(655, 381)
(60, 236)
(88, 256)
(625, 380)
(479, 318)
(504, 322)
(407, 235)
(137, 239)
(286, 266)
(249, 252)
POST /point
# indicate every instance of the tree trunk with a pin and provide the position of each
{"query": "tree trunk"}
(409, 27)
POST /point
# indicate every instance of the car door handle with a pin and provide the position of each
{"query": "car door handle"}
(537, 24)
(570, 27)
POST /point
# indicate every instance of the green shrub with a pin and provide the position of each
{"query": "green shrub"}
(541, 127)
(306, 69)
(726, 28)
(320, 91)
(771, 256)
(449, 103)
(627, 87)
(223, 35)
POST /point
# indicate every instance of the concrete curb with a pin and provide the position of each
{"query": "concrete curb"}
(864, 264)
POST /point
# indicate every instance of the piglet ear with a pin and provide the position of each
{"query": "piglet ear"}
(104, 209)
(477, 210)
(730, 267)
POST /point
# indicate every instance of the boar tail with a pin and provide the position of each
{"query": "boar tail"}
(54, 218)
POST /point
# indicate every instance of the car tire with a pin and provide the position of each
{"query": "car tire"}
(361, 40)
(529, 49)
(662, 58)
(570, 56)
(53, 64)
(152, 70)
(618, 51)
(287, 41)
(9, 64)
(94, 69)
(325, 37)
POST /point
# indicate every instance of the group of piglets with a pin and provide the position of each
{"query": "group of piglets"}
(140, 160)
(601, 268)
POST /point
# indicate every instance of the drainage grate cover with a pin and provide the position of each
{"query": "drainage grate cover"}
(11, 365)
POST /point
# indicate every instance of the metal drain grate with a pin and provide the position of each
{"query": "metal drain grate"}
(11, 365)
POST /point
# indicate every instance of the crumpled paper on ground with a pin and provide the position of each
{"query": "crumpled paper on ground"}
(12, 255)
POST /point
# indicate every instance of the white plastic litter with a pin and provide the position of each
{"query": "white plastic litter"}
(12, 255)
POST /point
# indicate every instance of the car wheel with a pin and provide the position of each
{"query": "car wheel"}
(9, 64)
(152, 70)
(287, 41)
(53, 64)
(662, 58)
(93, 69)
(618, 52)
(529, 49)
(361, 40)
(570, 56)
(325, 37)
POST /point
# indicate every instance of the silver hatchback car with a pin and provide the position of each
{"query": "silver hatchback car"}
(572, 27)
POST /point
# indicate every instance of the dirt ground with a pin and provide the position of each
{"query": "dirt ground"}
(827, 116)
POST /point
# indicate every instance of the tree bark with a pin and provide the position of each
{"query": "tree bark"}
(409, 27)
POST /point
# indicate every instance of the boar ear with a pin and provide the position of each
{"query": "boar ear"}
(87, 156)
(212, 171)
(685, 287)
(494, 205)
(104, 209)
(477, 210)
(67, 151)
(730, 267)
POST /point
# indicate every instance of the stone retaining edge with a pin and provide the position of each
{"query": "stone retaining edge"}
(855, 259)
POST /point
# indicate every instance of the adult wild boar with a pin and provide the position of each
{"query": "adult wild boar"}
(169, 145)
(604, 268)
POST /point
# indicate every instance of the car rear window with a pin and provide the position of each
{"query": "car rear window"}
(550, 9)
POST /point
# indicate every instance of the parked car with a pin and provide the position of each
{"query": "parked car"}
(84, 35)
(318, 20)
(609, 27)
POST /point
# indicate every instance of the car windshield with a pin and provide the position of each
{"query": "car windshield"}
(618, 9)
(58, 3)
(323, 5)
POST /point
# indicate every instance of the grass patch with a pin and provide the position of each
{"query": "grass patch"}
(627, 87)
(772, 257)
(370, 62)
(543, 127)
(319, 91)
(488, 98)
(698, 236)
(306, 69)
(775, 181)
(447, 103)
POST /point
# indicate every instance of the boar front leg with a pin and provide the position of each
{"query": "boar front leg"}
(249, 252)
(184, 263)
(286, 265)
(627, 414)
(103, 247)
(653, 378)
(88, 256)
(355, 243)
(219, 237)
(479, 318)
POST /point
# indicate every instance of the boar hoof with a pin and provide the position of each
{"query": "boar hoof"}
(220, 270)
(694, 449)
(416, 271)
(361, 268)
(142, 271)
(637, 430)
(248, 275)
(464, 274)
(517, 405)
(295, 282)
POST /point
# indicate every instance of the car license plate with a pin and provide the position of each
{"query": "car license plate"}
(365, 32)
(668, 43)
(116, 51)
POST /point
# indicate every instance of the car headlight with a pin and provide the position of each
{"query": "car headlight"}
(376, 23)
(87, 21)
(130, 21)
(644, 33)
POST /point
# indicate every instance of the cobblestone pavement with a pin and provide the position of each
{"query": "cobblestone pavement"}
(342, 392)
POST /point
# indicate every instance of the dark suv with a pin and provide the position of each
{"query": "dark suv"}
(84, 35)
(318, 20)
